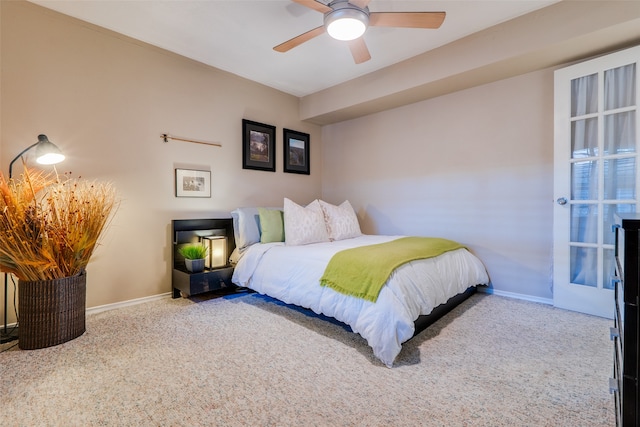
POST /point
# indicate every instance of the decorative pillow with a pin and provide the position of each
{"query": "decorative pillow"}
(246, 226)
(271, 225)
(341, 221)
(304, 225)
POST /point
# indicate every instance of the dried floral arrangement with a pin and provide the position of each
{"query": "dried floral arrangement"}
(50, 226)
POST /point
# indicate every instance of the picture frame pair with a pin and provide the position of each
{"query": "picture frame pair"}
(259, 148)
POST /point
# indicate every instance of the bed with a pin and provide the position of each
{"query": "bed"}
(291, 270)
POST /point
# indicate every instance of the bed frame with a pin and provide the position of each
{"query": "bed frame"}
(424, 321)
(187, 229)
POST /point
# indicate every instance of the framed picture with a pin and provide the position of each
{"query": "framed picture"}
(193, 183)
(296, 152)
(258, 146)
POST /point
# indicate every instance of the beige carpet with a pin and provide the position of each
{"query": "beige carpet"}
(249, 361)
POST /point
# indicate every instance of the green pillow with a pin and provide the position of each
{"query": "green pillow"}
(272, 225)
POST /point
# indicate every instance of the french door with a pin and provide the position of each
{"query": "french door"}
(595, 175)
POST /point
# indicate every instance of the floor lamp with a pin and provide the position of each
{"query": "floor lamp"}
(47, 153)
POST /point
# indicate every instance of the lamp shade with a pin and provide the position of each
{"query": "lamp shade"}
(346, 22)
(217, 251)
(47, 153)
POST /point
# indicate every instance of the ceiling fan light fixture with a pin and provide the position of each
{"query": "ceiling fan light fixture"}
(346, 23)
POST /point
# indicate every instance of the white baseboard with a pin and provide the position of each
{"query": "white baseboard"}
(483, 289)
(107, 307)
(531, 298)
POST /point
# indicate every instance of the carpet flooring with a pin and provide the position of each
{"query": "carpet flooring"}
(247, 360)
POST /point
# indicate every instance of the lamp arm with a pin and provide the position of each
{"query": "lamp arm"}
(20, 155)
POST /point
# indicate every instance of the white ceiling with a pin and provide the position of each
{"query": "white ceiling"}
(238, 35)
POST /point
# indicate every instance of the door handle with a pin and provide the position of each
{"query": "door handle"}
(561, 201)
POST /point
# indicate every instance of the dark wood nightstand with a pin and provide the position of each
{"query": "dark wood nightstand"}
(185, 231)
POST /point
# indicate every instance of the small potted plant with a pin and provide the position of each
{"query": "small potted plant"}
(194, 255)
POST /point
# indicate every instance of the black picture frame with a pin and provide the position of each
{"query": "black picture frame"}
(296, 152)
(258, 146)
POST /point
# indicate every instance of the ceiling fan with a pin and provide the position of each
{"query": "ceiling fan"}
(348, 20)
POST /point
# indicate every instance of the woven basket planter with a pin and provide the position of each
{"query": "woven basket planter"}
(51, 311)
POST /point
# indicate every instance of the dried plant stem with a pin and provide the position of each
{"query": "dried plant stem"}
(49, 227)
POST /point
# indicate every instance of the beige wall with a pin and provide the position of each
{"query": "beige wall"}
(104, 100)
(474, 166)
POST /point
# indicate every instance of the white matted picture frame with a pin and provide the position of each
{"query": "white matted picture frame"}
(193, 183)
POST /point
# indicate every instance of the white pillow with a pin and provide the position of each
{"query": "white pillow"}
(303, 226)
(341, 221)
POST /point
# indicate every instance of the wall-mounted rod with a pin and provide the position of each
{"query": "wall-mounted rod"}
(166, 137)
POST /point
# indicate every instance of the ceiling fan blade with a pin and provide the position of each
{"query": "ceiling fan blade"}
(407, 19)
(313, 4)
(360, 3)
(298, 40)
(359, 50)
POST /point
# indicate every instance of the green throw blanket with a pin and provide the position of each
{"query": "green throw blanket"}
(361, 272)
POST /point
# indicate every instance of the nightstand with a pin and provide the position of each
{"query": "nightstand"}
(184, 231)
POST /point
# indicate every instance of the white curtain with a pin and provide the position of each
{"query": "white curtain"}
(618, 174)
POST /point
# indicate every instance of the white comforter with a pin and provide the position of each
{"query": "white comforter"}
(292, 274)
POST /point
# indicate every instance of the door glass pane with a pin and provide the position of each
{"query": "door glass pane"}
(584, 180)
(620, 133)
(620, 87)
(608, 211)
(620, 178)
(584, 138)
(609, 268)
(584, 223)
(584, 95)
(584, 263)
